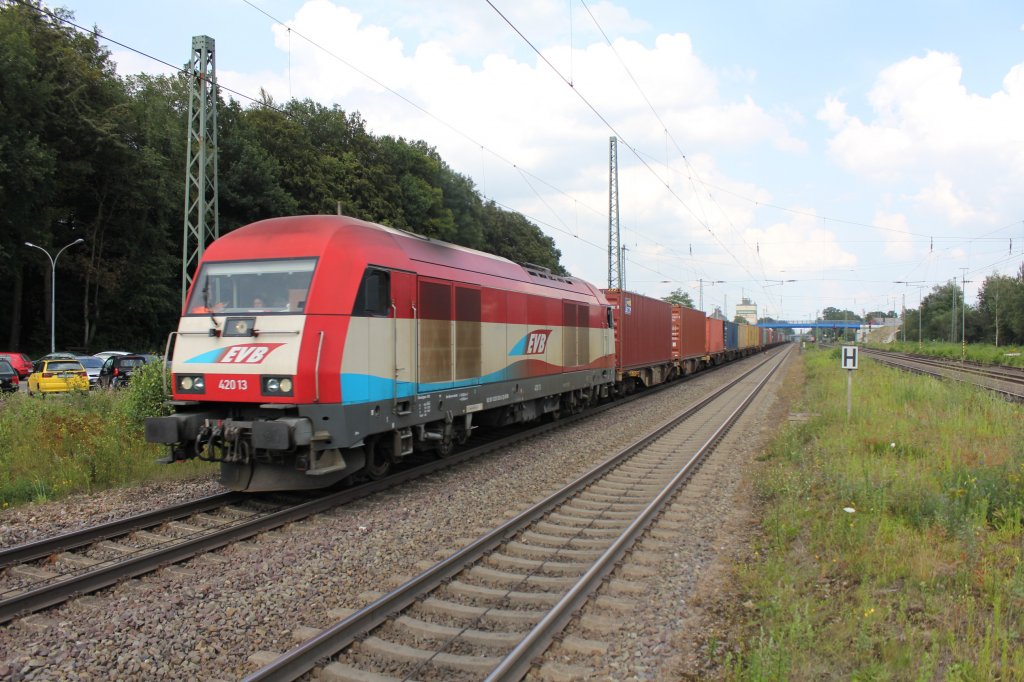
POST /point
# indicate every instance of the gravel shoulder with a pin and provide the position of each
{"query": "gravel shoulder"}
(204, 618)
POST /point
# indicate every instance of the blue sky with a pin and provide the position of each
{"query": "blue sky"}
(842, 145)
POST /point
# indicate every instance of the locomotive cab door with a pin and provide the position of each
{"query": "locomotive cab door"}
(403, 339)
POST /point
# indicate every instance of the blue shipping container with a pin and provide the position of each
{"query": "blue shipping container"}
(732, 336)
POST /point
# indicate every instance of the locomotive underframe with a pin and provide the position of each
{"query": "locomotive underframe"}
(277, 447)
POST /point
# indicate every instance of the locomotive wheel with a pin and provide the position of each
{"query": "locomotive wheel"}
(445, 448)
(378, 461)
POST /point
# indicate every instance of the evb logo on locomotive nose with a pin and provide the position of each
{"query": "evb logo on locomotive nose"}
(242, 353)
(534, 343)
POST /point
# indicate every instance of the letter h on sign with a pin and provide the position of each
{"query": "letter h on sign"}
(850, 357)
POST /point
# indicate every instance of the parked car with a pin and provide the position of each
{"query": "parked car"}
(9, 380)
(60, 355)
(57, 376)
(117, 370)
(104, 354)
(92, 365)
(20, 362)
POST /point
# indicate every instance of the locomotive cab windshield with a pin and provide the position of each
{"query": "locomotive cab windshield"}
(265, 286)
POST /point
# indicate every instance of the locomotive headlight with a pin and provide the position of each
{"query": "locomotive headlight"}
(191, 384)
(276, 385)
(240, 326)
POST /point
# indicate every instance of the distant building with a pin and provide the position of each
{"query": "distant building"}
(747, 310)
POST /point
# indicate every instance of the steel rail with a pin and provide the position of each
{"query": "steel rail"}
(517, 662)
(301, 659)
(1012, 375)
(902, 363)
(85, 581)
(37, 549)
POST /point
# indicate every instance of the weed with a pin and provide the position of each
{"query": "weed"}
(894, 540)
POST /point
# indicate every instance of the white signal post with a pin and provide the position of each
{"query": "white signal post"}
(849, 362)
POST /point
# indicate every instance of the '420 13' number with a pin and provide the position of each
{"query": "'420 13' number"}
(233, 384)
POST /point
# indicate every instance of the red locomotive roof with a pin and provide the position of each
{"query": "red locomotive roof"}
(345, 246)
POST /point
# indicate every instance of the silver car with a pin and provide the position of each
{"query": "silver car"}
(92, 366)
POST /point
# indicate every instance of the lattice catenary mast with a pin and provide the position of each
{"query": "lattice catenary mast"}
(616, 274)
(202, 222)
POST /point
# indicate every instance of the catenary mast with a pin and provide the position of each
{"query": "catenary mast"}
(202, 222)
(615, 270)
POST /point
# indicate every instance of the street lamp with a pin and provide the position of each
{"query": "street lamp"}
(53, 288)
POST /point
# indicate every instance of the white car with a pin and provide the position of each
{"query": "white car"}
(103, 355)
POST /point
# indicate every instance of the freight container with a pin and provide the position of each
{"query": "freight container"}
(643, 337)
(750, 336)
(689, 333)
(643, 329)
(732, 336)
(715, 336)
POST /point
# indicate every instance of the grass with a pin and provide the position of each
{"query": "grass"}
(58, 445)
(892, 543)
(1012, 356)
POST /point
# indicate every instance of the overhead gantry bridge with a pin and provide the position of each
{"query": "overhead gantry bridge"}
(812, 324)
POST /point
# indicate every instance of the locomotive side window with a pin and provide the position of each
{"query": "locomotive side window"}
(374, 297)
(262, 286)
(611, 318)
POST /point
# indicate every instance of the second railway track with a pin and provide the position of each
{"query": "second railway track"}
(46, 572)
(1006, 381)
(489, 610)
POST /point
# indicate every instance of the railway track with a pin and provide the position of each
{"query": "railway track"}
(1006, 381)
(489, 610)
(48, 572)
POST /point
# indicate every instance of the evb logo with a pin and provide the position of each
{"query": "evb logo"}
(534, 343)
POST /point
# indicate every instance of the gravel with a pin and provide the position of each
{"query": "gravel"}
(204, 618)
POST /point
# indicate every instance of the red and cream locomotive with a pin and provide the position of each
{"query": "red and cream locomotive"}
(313, 348)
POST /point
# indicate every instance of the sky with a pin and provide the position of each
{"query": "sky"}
(799, 153)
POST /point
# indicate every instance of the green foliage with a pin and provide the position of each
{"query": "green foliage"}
(893, 541)
(679, 297)
(86, 154)
(146, 395)
(63, 444)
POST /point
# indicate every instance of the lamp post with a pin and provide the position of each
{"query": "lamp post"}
(53, 288)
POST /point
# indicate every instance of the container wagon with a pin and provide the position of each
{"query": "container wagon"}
(643, 340)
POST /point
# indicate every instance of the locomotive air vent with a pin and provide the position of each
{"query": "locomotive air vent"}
(543, 272)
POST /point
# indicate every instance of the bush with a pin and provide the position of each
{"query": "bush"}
(146, 395)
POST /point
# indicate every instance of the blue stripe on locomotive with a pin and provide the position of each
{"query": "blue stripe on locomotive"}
(362, 388)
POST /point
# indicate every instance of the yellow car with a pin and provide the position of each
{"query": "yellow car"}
(57, 376)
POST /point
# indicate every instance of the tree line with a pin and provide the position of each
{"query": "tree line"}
(996, 317)
(88, 154)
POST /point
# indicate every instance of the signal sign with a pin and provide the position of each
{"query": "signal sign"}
(850, 354)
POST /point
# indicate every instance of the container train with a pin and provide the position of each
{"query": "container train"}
(311, 349)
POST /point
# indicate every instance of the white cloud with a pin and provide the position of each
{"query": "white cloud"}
(899, 244)
(925, 124)
(943, 199)
(801, 244)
